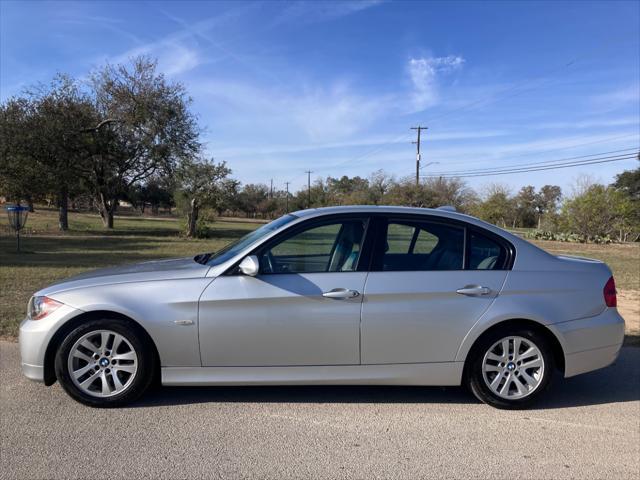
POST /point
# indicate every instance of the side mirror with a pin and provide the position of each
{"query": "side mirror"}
(250, 266)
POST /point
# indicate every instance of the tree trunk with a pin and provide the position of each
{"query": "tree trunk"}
(192, 219)
(30, 203)
(63, 209)
(107, 209)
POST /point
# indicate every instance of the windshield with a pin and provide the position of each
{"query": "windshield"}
(236, 247)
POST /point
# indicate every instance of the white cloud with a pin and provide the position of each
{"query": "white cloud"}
(318, 11)
(626, 96)
(312, 114)
(424, 74)
(591, 123)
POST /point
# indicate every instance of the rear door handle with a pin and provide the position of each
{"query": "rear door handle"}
(473, 290)
(341, 293)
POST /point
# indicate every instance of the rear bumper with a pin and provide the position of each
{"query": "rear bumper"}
(591, 343)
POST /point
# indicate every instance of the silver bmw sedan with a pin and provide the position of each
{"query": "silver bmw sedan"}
(332, 296)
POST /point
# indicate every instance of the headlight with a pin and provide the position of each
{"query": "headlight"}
(40, 307)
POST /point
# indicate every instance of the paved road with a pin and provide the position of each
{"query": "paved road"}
(588, 428)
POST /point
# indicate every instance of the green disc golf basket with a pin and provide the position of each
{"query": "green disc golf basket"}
(17, 219)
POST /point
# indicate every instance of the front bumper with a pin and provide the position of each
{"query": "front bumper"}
(591, 343)
(34, 339)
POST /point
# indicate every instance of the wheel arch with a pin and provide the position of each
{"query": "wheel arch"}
(550, 336)
(67, 327)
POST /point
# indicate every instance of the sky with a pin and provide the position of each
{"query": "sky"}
(334, 87)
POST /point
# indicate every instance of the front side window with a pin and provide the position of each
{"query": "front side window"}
(414, 246)
(232, 249)
(332, 247)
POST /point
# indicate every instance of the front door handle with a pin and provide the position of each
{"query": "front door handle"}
(341, 293)
(474, 290)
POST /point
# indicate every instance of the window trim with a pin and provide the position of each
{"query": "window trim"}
(364, 259)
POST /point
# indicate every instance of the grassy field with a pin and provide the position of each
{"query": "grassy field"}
(50, 256)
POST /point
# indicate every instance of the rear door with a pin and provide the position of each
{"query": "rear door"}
(431, 280)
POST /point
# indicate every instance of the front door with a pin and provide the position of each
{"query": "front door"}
(428, 291)
(303, 308)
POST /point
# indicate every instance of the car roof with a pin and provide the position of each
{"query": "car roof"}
(448, 212)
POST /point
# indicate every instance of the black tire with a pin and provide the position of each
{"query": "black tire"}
(474, 379)
(142, 379)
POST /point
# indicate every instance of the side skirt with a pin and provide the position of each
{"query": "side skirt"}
(444, 374)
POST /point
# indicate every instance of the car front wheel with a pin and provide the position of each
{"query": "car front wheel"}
(104, 363)
(510, 369)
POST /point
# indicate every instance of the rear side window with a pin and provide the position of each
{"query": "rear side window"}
(412, 246)
(485, 253)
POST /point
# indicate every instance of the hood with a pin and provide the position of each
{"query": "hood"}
(176, 268)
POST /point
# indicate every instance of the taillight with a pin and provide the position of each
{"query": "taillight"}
(610, 293)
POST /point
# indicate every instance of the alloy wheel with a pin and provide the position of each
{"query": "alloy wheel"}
(513, 367)
(102, 363)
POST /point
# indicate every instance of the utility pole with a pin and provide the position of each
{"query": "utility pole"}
(417, 143)
(271, 189)
(287, 196)
(308, 172)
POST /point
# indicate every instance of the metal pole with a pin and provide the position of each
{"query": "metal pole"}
(417, 143)
(309, 172)
(287, 197)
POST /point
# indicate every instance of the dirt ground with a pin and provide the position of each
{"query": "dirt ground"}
(629, 308)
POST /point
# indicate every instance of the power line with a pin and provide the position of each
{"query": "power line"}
(569, 147)
(592, 161)
(526, 165)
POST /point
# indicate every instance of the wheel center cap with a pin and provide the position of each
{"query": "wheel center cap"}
(104, 362)
(511, 366)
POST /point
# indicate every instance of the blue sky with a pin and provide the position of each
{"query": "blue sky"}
(282, 87)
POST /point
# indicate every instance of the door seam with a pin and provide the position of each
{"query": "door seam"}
(364, 290)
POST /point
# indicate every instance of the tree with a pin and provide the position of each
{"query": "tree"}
(156, 191)
(251, 196)
(379, 184)
(547, 200)
(60, 111)
(598, 211)
(347, 191)
(20, 174)
(145, 128)
(629, 182)
(525, 207)
(200, 184)
(497, 207)
(450, 191)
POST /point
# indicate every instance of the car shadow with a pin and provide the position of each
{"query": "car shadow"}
(619, 382)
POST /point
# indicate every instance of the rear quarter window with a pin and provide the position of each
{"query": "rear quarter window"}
(485, 253)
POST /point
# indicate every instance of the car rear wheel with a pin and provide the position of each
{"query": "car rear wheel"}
(105, 363)
(510, 369)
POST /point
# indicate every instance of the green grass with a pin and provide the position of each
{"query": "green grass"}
(51, 256)
(623, 259)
